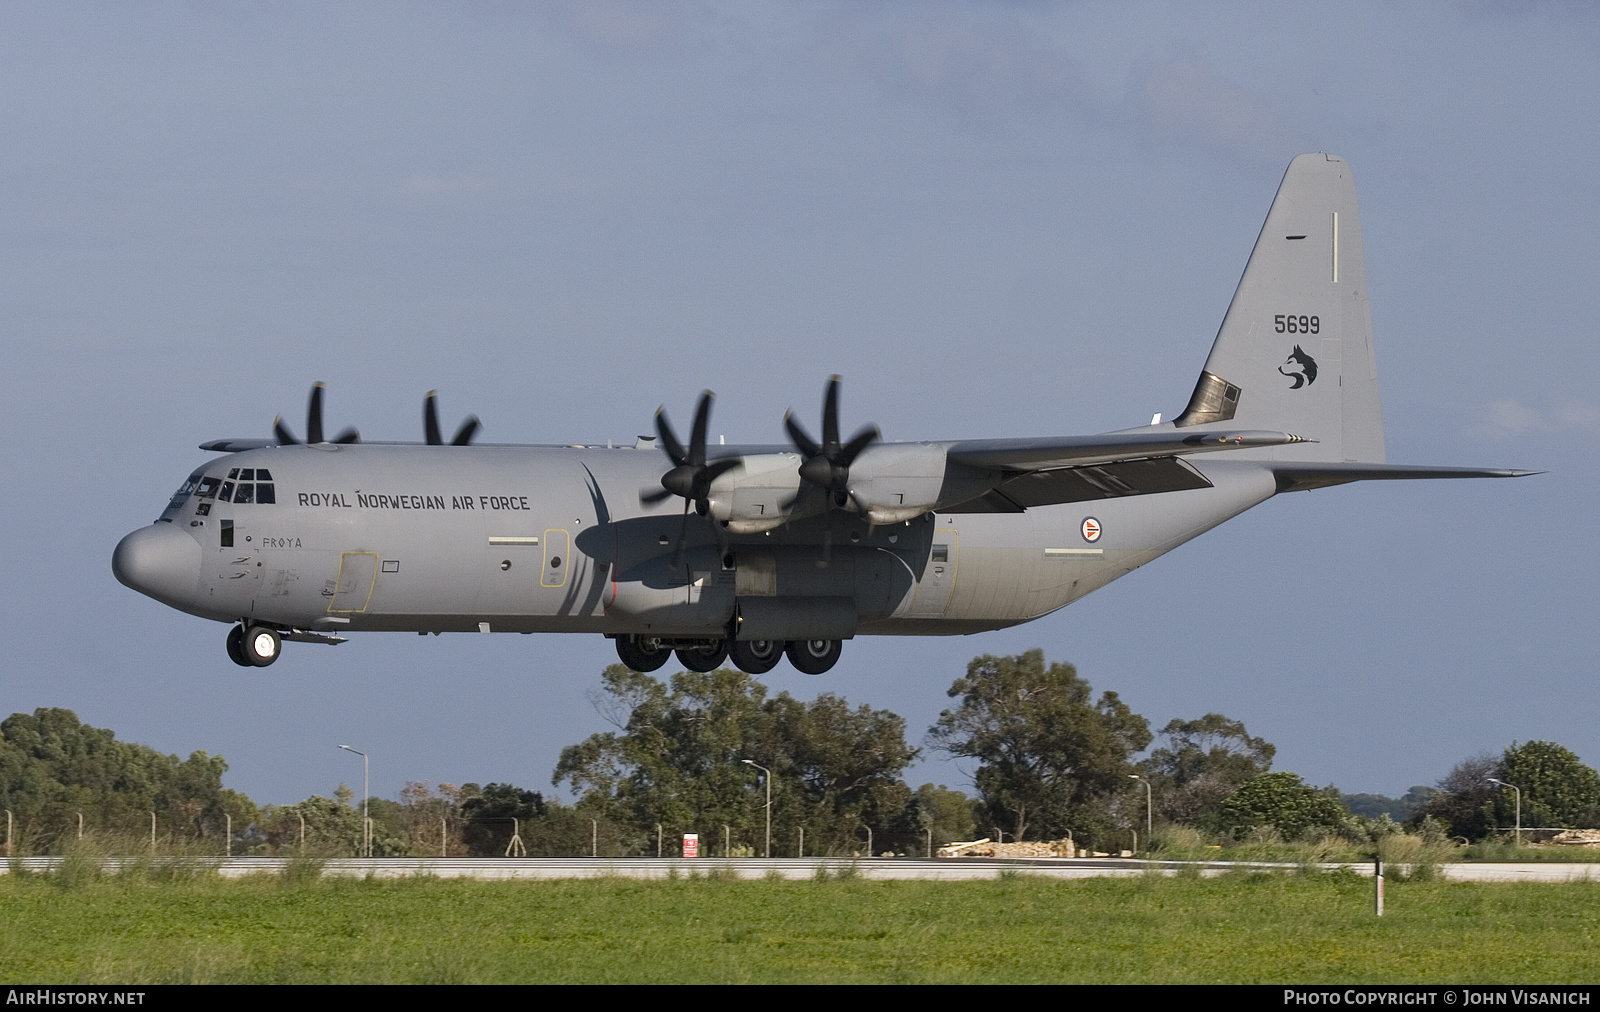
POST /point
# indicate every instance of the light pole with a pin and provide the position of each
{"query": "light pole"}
(768, 773)
(366, 826)
(1148, 805)
(1502, 783)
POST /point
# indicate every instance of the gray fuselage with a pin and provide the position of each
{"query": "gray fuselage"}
(553, 539)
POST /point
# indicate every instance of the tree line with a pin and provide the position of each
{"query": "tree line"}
(694, 754)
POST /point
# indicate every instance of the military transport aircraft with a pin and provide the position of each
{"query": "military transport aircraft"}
(764, 551)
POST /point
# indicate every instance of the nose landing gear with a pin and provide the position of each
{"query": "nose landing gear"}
(255, 647)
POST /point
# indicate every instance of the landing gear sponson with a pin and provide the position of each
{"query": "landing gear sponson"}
(754, 657)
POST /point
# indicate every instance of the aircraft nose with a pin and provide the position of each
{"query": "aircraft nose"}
(159, 561)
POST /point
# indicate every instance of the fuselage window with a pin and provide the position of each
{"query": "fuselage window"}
(208, 488)
(248, 474)
(233, 472)
(244, 493)
(262, 474)
(265, 493)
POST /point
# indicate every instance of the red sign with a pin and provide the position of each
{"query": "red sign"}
(1091, 529)
(691, 845)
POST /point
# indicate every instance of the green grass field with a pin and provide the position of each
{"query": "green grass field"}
(82, 928)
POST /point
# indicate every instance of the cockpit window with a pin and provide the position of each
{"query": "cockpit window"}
(188, 486)
(243, 485)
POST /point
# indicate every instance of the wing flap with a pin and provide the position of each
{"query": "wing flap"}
(1082, 484)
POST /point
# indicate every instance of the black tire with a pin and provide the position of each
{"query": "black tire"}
(633, 652)
(704, 658)
(813, 657)
(261, 645)
(756, 657)
(236, 647)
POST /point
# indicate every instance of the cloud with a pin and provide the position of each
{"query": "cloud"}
(1185, 98)
(980, 70)
(1506, 418)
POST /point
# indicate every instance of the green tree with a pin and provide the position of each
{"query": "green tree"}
(1201, 764)
(1281, 800)
(1050, 757)
(332, 826)
(491, 816)
(1465, 799)
(676, 760)
(53, 767)
(1557, 788)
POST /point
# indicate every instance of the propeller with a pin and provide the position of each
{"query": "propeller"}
(827, 465)
(313, 424)
(691, 476)
(430, 424)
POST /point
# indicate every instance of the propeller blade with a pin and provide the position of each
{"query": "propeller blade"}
(430, 419)
(469, 428)
(858, 442)
(349, 435)
(669, 439)
(314, 415)
(702, 421)
(830, 417)
(285, 437)
(800, 437)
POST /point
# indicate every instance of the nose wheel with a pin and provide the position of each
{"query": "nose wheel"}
(255, 647)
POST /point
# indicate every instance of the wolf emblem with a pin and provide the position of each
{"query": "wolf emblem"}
(1302, 368)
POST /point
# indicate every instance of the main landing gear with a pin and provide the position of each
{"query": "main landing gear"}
(754, 657)
(255, 646)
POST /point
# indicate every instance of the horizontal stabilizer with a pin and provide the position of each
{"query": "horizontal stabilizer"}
(1044, 453)
(1297, 477)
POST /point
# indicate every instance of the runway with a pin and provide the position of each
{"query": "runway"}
(799, 869)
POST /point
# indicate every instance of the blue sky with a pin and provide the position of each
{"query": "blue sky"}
(993, 219)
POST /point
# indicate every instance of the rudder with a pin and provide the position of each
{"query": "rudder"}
(1294, 352)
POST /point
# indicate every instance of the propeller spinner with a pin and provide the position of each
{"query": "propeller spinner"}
(313, 424)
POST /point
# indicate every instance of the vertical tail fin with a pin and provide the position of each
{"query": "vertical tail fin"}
(1295, 350)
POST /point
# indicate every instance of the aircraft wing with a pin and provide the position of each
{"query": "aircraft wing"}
(236, 445)
(1049, 452)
